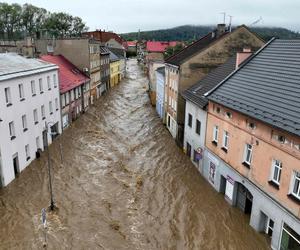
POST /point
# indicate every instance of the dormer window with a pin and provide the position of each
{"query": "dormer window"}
(218, 110)
(251, 125)
(228, 115)
(281, 139)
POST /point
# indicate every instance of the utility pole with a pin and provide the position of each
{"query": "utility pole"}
(230, 20)
(52, 206)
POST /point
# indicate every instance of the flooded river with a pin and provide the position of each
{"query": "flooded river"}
(123, 184)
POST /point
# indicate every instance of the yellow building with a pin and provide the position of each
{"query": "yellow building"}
(114, 66)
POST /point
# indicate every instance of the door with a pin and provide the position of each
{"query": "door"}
(45, 139)
(188, 150)
(244, 199)
(16, 165)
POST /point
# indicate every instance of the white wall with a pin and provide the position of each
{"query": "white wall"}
(173, 126)
(190, 134)
(14, 113)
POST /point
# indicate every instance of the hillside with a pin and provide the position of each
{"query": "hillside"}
(191, 32)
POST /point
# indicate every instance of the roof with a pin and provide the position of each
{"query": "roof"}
(131, 43)
(104, 50)
(155, 46)
(13, 65)
(118, 52)
(196, 93)
(161, 70)
(113, 57)
(69, 76)
(267, 87)
(105, 36)
(193, 48)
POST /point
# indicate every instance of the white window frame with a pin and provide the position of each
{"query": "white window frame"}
(43, 112)
(7, 96)
(54, 81)
(41, 86)
(24, 122)
(276, 164)
(50, 108)
(35, 116)
(11, 126)
(248, 147)
(33, 90)
(27, 152)
(21, 91)
(215, 133)
(225, 139)
(56, 104)
(48, 83)
(295, 177)
(37, 142)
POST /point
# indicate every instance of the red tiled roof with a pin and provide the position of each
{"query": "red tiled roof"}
(154, 46)
(69, 76)
(131, 43)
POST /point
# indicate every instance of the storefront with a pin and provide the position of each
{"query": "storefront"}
(290, 240)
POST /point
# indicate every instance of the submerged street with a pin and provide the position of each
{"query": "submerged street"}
(123, 184)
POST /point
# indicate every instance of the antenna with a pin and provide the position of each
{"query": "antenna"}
(256, 21)
(224, 15)
(230, 21)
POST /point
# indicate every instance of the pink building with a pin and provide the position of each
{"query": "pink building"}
(252, 146)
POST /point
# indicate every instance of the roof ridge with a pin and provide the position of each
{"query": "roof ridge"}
(241, 66)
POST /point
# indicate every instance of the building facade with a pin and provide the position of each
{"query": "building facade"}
(29, 111)
(160, 91)
(194, 62)
(104, 66)
(252, 141)
(115, 75)
(74, 89)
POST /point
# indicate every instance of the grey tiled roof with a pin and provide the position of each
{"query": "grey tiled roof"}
(13, 65)
(267, 87)
(113, 57)
(196, 93)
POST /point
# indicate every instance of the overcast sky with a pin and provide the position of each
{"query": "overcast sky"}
(130, 15)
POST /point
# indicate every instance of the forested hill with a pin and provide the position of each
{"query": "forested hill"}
(190, 33)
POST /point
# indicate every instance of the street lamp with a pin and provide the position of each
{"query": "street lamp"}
(52, 206)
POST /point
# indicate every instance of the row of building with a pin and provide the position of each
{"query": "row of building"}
(40, 97)
(232, 102)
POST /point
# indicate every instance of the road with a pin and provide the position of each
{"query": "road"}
(123, 184)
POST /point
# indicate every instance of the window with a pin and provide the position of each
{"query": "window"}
(269, 227)
(21, 92)
(41, 85)
(63, 101)
(43, 112)
(27, 152)
(48, 83)
(198, 126)
(225, 140)
(37, 142)
(276, 171)
(50, 108)
(289, 238)
(7, 96)
(295, 190)
(35, 116)
(215, 134)
(190, 120)
(12, 130)
(54, 81)
(72, 95)
(56, 104)
(33, 90)
(24, 123)
(248, 154)
(67, 98)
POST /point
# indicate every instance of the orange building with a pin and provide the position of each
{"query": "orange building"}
(252, 146)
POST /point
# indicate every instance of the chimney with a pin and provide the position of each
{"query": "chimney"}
(242, 56)
(221, 28)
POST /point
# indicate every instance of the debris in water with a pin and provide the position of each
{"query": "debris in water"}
(139, 181)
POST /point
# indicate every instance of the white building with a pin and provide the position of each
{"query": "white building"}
(196, 113)
(29, 102)
(160, 92)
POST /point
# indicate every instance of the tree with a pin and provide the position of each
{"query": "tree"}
(173, 50)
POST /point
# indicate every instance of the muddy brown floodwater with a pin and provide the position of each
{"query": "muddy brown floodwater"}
(123, 184)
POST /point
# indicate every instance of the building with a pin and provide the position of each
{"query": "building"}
(253, 141)
(115, 76)
(25, 47)
(84, 53)
(132, 48)
(29, 110)
(74, 89)
(158, 46)
(196, 107)
(122, 60)
(160, 91)
(194, 62)
(104, 66)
